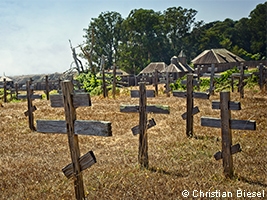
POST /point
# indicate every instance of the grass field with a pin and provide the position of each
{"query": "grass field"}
(31, 162)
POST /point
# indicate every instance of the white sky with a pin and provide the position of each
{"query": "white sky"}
(34, 34)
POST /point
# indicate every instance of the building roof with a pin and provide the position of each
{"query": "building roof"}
(153, 66)
(177, 66)
(214, 56)
(5, 77)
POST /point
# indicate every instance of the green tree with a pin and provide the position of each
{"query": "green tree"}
(103, 36)
(258, 29)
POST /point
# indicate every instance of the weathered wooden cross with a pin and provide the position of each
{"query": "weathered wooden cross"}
(190, 109)
(226, 124)
(262, 75)
(30, 97)
(241, 77)
(144, 124)
(72, 127)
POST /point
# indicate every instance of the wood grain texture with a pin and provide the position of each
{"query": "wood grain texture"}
(194, 111)
(136, 93)
(79, 99)
(150, 123)
(234, 123)
(86, 161)
(81, 127)
(233, 105)
(159, 109)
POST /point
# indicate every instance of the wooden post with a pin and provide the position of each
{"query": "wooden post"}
(198, 77)
(189, 105)
(114, 82)
(70, 116)
(47, 87)
(30, 106)
(144, 124)
(143, 144)
(70, 101)
(211, 89)
(226, 124)
(241, 81)
(226, 133)
(16, 90)
(190, 109)
(156, 82)
(104, 86)
(5, 91)
(167, 84)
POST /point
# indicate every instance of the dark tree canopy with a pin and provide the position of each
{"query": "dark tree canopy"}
(147, 36)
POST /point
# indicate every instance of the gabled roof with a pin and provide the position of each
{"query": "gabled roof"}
(153, 66)
(5, 77)
(216, 56)
(177, 66)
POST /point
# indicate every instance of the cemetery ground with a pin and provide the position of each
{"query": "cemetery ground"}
(31, 162)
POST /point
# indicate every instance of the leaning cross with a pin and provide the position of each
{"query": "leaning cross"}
(226, 124)
(70, 101)
(190, 109)
(30, 97)
(144, 124)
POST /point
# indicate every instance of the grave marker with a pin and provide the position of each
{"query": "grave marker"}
(190, 109)
(226, 124)
(144, 124)
(72, 127)
(30, 97)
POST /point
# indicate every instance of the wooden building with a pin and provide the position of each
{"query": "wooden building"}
(222, 58)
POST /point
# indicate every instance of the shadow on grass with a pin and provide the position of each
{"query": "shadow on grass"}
(205, 137)
(252, 182)
(162, 171)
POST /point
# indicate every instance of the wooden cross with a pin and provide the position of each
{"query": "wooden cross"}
(190, 109)
(30, 97)
(262, 75)
(144, 124)
(241, 77)
(72, 127)
(226, 124)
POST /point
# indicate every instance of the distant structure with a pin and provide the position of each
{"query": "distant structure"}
(8, 80)
(178, 67)
(222, 58)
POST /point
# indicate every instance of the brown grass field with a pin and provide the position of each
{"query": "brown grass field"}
(31, 162)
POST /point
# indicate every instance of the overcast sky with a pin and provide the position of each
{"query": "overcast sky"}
(34, 34)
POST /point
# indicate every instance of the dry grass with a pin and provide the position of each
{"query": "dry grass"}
(31, 162)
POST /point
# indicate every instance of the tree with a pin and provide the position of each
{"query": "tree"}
(103, 36)
(258, 29)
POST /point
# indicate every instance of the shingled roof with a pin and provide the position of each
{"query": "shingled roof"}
(153, 66)
(214, 56)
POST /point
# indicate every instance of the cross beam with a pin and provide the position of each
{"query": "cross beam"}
(30, 97)
(144, 124)
(72, 127)
(190, 109)
(226, 124)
